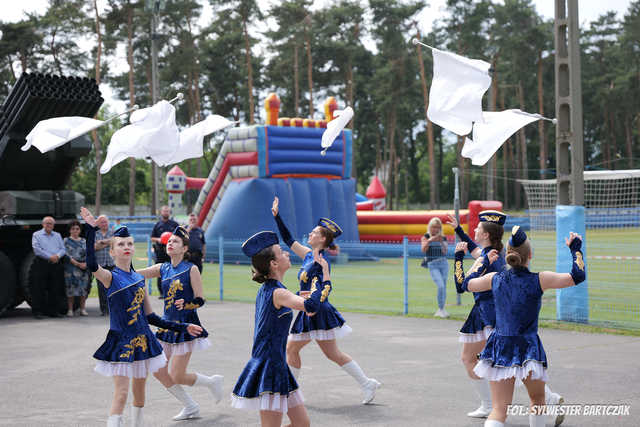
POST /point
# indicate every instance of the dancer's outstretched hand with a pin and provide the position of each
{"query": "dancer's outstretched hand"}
(574, 241)
(451, 220)
(194, 330)
(179, 303)
(274, 206)
(462, 246)
(87, 216)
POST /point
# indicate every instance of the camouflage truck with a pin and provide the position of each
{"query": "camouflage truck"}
(32, 184)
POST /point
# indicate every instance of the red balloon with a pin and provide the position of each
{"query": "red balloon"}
(164, 237)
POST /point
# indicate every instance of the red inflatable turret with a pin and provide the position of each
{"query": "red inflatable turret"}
(376, 193)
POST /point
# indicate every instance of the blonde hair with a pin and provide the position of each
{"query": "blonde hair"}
(518, 256)
(435, 221)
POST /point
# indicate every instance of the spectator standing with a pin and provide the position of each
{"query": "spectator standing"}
(47, 291)
(76, 275)
(434, 247)
(102, 246)
(197, 246)
(160, 250)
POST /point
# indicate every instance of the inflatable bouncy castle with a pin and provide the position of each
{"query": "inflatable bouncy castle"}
(281, 158)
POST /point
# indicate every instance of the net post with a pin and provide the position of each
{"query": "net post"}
(149, 264)
(221, 265)
(572, 304)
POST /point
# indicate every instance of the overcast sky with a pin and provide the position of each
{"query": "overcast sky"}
(589, 11)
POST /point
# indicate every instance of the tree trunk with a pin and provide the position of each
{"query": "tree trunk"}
(309, 73)
(460, 161)
(505, 161)
(433, 173)
(249, 68)
(612, 130)
(94, 134)
(607, 148)
(543, 135)
(132, 101)
(629, 140)
(296, 84)
(523, 141)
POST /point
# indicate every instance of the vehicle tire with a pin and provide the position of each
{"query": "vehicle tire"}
(27, 275)
(8, 288)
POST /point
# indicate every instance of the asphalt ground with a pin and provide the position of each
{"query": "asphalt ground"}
(47, 376)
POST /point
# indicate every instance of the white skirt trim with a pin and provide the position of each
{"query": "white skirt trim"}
(178, 349)
(137, 369)
(482, 335)
(268, 401)
(483, 369)
(323, 335)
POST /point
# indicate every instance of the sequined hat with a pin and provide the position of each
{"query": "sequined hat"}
(496, 217)
(121, 231)
(331, 226)
(258, 242)
(518, 236)
(182, 232)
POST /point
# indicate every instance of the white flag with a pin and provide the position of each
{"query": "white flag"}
(455, 97)
(152, 133)
(50, 134)
(490, 134)
(192, 137)
(335, 126)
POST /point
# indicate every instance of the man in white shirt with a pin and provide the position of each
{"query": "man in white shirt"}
(47, 288)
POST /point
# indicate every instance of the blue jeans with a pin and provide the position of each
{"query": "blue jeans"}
(438, 268)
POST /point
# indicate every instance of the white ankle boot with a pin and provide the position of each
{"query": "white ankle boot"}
(115, 421)
(213, 383)
(136, 417)
(493, 423)
(191, 408)
(551, 398)
(368, 385)
(484, 393)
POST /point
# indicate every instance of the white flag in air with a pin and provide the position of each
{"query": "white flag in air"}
(152, 133)
(455, 97)
(192, 137)
(493, 131)
(335, 126)
(50, 134)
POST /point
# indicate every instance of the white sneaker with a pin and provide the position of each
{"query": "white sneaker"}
(444, 313)
(438, 313)
(188, 413)
(215, 386)
(481, 412)
(555, 399)
(369, 390)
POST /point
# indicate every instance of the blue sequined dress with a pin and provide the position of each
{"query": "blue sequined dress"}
(176, 284)
(130, 349)
(327, 323)
(482, 317)
(266, 383)
(514, 349)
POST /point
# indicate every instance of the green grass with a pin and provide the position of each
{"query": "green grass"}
(378, 287)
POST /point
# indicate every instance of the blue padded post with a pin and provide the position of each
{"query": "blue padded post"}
(572, 304)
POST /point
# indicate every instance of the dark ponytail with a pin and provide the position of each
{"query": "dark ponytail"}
(495, 232)
(261, 263)
(328, 238)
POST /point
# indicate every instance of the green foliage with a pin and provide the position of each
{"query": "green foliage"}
(361, 54)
